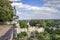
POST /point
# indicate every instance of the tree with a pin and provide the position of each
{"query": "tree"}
(57, 31)
(50, 23)
(43, 36)
(23, 24)
(54, 34)
(21, 35)
(32, 22)
(44, 24)
(6, 11)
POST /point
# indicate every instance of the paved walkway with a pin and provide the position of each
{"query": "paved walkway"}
(5, 31)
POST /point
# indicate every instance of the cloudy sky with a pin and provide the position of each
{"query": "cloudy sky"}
(37, 9)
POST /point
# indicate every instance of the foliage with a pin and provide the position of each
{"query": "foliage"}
(57, 31)
(45, 23)
(51, 31)
(23, 24)
(43, 36)
(21, 35)
(55, 37)
(49, 34)
(54, 34)
(50, 23)
(33, 23)
(39, 23)
(6, 12)
(29, 38)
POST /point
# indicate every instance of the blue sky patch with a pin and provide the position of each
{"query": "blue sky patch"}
(37, 9)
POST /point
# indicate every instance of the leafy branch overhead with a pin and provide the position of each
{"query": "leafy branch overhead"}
(6, 11)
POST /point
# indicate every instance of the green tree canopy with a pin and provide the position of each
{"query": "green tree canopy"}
(23, 24)
(6, 11)
(50, 23)
(32, 22)
(21, 35)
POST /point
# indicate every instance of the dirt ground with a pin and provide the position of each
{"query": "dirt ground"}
(4, 29)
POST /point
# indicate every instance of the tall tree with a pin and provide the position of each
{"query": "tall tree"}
(50, 23)
(6, 11)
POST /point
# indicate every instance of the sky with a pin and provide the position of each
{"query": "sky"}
(37, 9)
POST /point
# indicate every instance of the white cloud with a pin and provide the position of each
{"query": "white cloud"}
(37, 15)
(14, 0)
(53, 3)
(29, 7)
(23, 15)
(35, 12)
(15, 4)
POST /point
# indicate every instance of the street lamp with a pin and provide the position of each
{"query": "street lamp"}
(14, 19)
